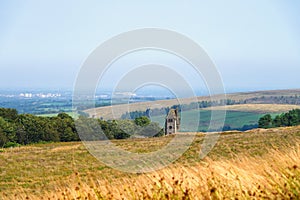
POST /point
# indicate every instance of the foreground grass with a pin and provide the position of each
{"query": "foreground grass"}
(273, 176)
(260, 163)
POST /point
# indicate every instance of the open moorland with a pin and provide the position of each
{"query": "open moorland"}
(244, 165)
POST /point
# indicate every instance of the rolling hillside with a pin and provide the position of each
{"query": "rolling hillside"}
(257, 163)
(261, 97)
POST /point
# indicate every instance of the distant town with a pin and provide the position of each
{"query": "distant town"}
(43, 102)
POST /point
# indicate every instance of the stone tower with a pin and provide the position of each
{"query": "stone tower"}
(172, 122)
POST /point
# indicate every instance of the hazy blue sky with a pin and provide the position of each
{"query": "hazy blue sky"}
(255, 44)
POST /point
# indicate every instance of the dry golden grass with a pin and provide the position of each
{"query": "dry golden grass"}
(257, 108)
(257, 164)
(275, 175)
(116, 111)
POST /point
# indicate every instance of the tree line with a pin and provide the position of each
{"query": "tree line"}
(21, 129)
(292, 100)
(185, 107)
(291, 118)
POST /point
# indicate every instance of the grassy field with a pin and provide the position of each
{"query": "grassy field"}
(72, 114)
(257, 163)
(234, 119)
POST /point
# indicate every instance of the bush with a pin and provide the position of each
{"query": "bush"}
(11, 144)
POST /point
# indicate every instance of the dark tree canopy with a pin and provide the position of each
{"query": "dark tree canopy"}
(265, 121)
(27, 128)
(291, 118)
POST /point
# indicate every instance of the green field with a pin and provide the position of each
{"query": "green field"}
(72, 114)
(197, 121)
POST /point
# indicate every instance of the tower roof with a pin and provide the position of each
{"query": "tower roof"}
(172, 114)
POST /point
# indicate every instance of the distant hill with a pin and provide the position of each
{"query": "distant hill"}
(257, 108)
(287, 97)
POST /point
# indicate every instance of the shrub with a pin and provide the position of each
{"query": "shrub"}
(11, 144)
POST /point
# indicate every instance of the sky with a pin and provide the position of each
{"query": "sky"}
(254, 44)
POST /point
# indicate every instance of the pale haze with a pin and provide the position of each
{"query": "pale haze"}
(254, 44)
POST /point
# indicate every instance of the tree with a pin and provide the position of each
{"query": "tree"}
(8, 129)
(142, 121)
(117, 131)
(21, 135)
(29, 124)
(291, 118)
(90, 129)
(265, 121)
(66, 128)
(9, 114)
(128, 126)
(64, 116)
(277, 122)
(3, 138)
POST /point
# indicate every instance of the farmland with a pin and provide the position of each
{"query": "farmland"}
(237, 116)
(271, 98)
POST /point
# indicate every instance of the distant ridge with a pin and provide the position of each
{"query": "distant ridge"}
(256, 97)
